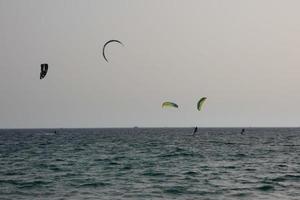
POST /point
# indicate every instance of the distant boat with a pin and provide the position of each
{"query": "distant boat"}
(135, 127)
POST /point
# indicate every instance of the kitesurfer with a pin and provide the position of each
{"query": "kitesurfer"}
(242, 132)
(195, 130)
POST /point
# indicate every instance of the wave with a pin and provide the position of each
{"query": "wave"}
(265, 188)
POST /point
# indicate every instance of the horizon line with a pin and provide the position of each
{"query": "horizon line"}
(131, 127)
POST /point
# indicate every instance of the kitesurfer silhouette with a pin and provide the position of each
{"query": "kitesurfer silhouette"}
(195, 130)
(242, 132)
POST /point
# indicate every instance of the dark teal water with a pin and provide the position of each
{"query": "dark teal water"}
(150, 164)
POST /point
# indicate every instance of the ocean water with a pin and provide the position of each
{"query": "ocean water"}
(150, 163)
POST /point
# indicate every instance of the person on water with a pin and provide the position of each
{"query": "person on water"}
(242, 132)
(195, 130)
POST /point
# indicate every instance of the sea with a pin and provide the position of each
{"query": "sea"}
(150, 163)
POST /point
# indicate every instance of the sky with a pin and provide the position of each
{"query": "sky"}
(242, 55)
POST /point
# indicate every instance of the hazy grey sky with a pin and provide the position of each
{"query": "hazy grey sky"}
(243, 55)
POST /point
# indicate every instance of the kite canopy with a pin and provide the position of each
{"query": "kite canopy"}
(200, 103)
(168, 104)
(104, 46)
(44, 70)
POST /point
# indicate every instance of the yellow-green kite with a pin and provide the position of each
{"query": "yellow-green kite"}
(200, 103)
(168, 104)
